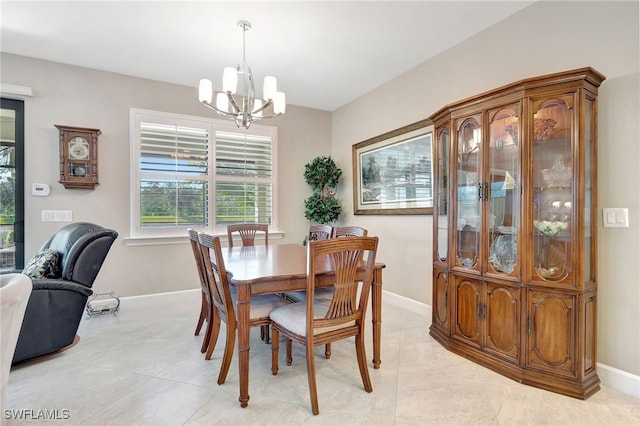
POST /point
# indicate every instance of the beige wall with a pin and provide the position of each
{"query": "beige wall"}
(88, 98)
(547, 37)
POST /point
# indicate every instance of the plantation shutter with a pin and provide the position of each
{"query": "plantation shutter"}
(174, 175)
(244, 172)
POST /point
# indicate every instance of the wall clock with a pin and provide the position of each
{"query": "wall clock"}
(78, 157)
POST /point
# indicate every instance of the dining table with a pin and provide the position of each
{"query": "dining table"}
(281, 268)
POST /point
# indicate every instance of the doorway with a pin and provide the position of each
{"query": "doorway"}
(11, 185)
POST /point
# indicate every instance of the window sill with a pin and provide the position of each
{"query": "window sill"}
(168, 240)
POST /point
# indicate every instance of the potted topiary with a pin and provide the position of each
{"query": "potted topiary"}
(322, 207)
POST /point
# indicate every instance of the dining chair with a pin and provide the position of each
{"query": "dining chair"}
(223, 302)
(247, 232)
(318, 322)
(319, 232)
(206, 311)
(326, 293)
(349, 231)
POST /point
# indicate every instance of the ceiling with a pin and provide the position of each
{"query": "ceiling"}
(324, 53)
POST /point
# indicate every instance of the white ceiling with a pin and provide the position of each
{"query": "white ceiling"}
(324, 53)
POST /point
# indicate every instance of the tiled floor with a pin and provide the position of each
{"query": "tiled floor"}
(144, 367)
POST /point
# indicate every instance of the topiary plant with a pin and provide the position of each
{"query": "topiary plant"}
(322, 174)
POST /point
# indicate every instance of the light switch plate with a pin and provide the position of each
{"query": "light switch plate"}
(57, 216)
(615, 217)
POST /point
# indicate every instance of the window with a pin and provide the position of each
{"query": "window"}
(177, 161)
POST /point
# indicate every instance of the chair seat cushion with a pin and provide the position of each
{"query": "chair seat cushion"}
(45, 264)
(262, 305)
(294, 317)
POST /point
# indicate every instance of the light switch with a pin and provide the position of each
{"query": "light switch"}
(615, 217)
(57, 216)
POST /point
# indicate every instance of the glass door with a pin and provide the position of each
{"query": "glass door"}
(503, 206)
(554, 201)
(11, 185)
(441, 213)
(468, 192)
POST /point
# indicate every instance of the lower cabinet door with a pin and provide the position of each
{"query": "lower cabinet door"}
(468, 311)
(551, 324)
(441, 301)
(502, 321)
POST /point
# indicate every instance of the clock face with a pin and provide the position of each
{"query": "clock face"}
(79, 148)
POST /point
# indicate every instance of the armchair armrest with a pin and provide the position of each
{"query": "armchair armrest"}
(49, 284)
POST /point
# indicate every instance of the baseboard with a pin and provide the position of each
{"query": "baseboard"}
(622, 381)
(408, 304)
(619, 380)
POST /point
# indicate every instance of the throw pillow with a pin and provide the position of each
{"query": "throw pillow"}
(43, 265)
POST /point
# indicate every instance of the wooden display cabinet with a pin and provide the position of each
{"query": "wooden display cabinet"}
(514, 280)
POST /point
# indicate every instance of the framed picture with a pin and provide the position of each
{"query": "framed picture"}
(392, 173)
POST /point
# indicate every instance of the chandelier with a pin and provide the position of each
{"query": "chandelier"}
(243, 106)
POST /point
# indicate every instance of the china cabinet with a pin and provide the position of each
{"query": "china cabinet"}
(514, 279)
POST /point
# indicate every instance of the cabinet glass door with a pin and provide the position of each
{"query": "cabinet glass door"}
(503, 191)
(469, 192)
(442, 205)
(553, 209)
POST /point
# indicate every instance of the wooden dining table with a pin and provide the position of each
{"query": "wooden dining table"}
(280, 268)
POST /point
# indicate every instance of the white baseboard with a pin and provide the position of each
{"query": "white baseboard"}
(619, 380)
(408, 304)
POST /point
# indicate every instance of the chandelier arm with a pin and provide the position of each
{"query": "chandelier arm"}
(233, 103)
(219, 111)
(264, 106)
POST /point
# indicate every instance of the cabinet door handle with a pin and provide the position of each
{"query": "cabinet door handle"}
(480, 195)
(485, 190)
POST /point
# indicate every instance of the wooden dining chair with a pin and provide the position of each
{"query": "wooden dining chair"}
(349, 231)
(319, 232)
(319, 322)
(223, 302)
(205, 308)
(247, 232)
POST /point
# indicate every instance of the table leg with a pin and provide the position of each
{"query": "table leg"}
(242, 317)
(376, 314)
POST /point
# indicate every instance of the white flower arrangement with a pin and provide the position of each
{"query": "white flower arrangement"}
(550, 227)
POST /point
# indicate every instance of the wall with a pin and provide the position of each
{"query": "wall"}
(88, 98)
(544, 38)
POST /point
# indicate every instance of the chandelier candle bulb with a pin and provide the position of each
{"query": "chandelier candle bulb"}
(205, 90)
(270, 87)
(222, 102)
(279, 103)
(230, 80)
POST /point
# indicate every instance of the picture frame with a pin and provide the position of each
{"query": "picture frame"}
(393, 172)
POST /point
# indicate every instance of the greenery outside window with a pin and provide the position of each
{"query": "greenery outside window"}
(177, 160)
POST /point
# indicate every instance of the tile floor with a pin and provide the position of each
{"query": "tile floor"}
(144, 367)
